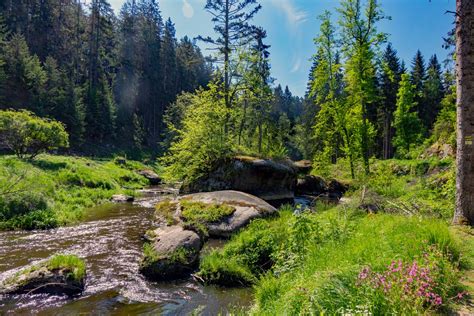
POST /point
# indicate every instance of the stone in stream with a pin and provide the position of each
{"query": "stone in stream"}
(220, 214)
(121, 198)
(172, 252)
(267, 179)
(151, 176)
(59, 275)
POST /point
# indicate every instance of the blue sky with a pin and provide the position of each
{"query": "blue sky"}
(292, 24)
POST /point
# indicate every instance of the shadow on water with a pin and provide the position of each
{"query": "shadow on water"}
(110, 241)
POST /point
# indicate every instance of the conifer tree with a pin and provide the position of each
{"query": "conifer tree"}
(169, 62)
(406, 122)
(231, 23)
(360, 41)
(389, 83)
(418, 77)
(433, 93)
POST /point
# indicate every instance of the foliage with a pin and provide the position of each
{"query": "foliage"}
(444, 130)
(202, 140)
(28, 135)
(54, 190)
(406, 122)
(71, 263)
(197, 215)
(326, 281)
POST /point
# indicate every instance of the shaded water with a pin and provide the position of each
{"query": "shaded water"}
(110, 242)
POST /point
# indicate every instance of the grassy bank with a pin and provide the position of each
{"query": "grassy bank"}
(55, 190)
(387, 249)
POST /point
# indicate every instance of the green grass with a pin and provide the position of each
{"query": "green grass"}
(72, 263)
(74, 266)
(56, 190)
(166, 210)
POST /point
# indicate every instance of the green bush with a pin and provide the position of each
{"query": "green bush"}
(28, 135)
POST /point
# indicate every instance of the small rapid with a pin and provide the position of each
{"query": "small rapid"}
(110, 241)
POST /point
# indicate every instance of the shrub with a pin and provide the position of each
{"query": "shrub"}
(28, 135)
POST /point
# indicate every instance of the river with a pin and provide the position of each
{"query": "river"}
(110, 241)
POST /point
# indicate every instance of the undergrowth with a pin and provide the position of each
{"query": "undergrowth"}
(55, 190)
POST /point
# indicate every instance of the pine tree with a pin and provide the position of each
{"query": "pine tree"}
(389, 83)
(433, 93)
(231, 22)
(169, 62)
(26, 77)
(193, 70)
(418, 77)
(128, 76)
(98, 99)
(151, 104)
(406, 122)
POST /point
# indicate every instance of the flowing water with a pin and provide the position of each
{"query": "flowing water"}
(110, 241)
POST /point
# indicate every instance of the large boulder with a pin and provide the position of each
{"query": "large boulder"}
(246, 207)
(152, 177)
(60, 275)
(311, 185)
(266, 179)
(303, 167)
(172, 252)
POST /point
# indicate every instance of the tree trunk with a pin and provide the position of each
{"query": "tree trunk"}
(464, 213)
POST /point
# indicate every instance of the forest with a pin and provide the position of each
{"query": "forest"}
(142, 173)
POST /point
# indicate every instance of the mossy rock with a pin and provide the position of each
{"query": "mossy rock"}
(172, 252)
(58, 275)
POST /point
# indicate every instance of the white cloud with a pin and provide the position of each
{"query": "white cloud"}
(296, 65)
(293, 14)
(188, 10)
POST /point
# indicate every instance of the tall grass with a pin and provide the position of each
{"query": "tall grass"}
(55, 190)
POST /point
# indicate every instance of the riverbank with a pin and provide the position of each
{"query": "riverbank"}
(388, 247)
(53, 191)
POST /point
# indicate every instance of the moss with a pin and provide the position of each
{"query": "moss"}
(204, 212)
(196, 215)
(166, 209)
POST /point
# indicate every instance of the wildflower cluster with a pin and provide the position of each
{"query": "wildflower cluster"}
(417, 283)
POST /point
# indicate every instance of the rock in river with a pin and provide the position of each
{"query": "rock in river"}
(121, 198)
(151, 176)
(267, 179)
(59, 275)
(172, 252)
(246, 207)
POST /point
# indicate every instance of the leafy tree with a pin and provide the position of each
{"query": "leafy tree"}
(201, 139)
(360, 40)
(28, 135)
(406, 122)
(331, 126)
(444, 128)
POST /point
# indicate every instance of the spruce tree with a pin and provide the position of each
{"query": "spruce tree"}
(231, 23)
(151, 103)
(98, 98)
(406, 121)
(417, 78)
(433, 93)
(389, 82)
(169, 62)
